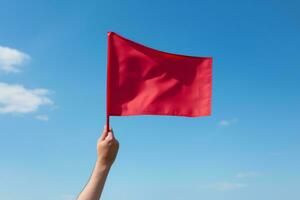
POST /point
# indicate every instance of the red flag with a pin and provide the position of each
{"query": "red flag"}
(145, 81)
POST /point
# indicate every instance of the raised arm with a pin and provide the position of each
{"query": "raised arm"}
(107, 148)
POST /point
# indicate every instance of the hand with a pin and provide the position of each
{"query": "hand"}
(107, 148)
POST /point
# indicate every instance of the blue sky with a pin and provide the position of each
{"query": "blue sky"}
(52, 101)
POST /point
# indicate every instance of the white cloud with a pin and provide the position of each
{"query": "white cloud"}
(11, 59)
(42, 117)
(18, 99)
(225, 123)
(246, 174)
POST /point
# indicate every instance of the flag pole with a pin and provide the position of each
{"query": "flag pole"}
(107, 123)
(108, 84)
(107, 100)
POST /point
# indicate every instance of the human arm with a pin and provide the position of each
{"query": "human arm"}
(107, 148)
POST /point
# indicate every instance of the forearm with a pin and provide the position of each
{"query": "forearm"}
(94, 187)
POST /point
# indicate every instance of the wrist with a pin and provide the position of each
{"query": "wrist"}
(102, 166)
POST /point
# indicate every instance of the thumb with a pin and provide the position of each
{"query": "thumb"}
(104, 133)
(110, 135)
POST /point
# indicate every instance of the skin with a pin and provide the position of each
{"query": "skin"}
(107, 148)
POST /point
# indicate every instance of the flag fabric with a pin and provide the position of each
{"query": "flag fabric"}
(145, 81)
